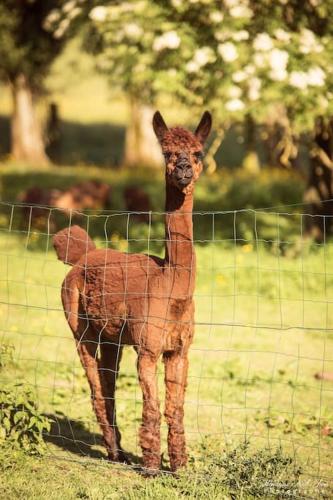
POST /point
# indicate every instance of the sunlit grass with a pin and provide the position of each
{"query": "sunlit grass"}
(264, 328)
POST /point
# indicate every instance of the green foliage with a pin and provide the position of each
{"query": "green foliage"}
(6, 355)
(245, 473)
(236, 57)
(221, 193)
(20, 421)
(237, 473)
(28, 44)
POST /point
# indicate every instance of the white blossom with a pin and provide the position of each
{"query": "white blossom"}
(133, 30)
(74, 13)
(298, 79)
(228, 51)
(216, 16)
(231, 3)
(60, 31)
(234, 91)
(240, 11)
(221, 35)
(53, 16)
(169, 40)
(234, 105)
(260, 60)
(239, 76)
(263, 42)
(68, 6)
(172, 72)
(98, 13)
(192, 67)
(316, 77)
(278, 75)
(241, 35)
(308, 42)
(249, 69)
(203, 56)
(282, 35)
(254, 88)
(278, 60)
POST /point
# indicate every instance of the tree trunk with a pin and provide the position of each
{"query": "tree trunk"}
(213, 148)
(319, 191)
(26, 137)
(141, 146)
(251, 161)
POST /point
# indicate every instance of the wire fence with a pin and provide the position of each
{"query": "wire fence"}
(261, 363)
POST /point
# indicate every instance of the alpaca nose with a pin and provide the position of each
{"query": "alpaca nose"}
(183, 174)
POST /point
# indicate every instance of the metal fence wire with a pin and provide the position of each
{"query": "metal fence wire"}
(261, 363)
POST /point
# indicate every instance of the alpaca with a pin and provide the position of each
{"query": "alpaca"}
(86, 195)
(136, 200)
(112, 299)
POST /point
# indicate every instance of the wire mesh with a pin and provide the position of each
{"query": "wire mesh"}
(261, 363)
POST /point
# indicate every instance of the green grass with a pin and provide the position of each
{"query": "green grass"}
(264, 328)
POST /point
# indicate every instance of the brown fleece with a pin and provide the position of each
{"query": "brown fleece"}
(112, 298)
(71, 243)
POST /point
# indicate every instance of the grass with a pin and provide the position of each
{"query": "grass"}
(264, 328)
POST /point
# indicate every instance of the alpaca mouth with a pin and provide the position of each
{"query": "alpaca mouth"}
(183, 175)
(184, 182)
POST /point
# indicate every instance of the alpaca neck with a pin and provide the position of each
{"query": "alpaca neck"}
(179, 251)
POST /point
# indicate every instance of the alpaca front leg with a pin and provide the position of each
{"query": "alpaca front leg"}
(176, 367)
(109, 368)
(150, 441)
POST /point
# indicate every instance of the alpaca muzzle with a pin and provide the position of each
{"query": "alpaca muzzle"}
(183, 172)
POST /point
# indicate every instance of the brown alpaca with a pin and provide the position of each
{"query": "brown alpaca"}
(112, 299)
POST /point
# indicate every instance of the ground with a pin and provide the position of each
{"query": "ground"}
(264, 329)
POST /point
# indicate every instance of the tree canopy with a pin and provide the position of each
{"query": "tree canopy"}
(235, 56)
(28, 42)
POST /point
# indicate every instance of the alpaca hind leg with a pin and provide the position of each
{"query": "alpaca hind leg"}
(150, 441)
(109, 368)
(176, 367)
(87, 343)
(87, 347)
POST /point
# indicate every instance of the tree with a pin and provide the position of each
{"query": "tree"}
(121, 36)
(266, 59)
(257, 59)
(238, 58)
(32, 35)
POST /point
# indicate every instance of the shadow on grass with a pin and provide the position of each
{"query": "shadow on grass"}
(102, 144)
(73, 436)
(99, 144)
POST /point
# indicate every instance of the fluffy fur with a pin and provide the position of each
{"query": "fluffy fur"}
(111, 299)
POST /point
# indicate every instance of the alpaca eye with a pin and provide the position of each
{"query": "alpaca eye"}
(199, 155)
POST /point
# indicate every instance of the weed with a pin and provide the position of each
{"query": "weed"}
(20, 421)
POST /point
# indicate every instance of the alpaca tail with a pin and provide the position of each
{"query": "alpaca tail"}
(71, 244)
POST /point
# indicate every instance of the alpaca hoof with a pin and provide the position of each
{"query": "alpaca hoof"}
(176, 465)
(124, 458)
(120, 457)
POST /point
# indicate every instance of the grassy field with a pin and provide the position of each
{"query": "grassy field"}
(264, 328)
(263, 313)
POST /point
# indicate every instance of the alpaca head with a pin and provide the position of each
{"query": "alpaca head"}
(182, 150)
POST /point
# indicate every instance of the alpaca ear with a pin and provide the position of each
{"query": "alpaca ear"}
(203, 129)
(159, 126)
